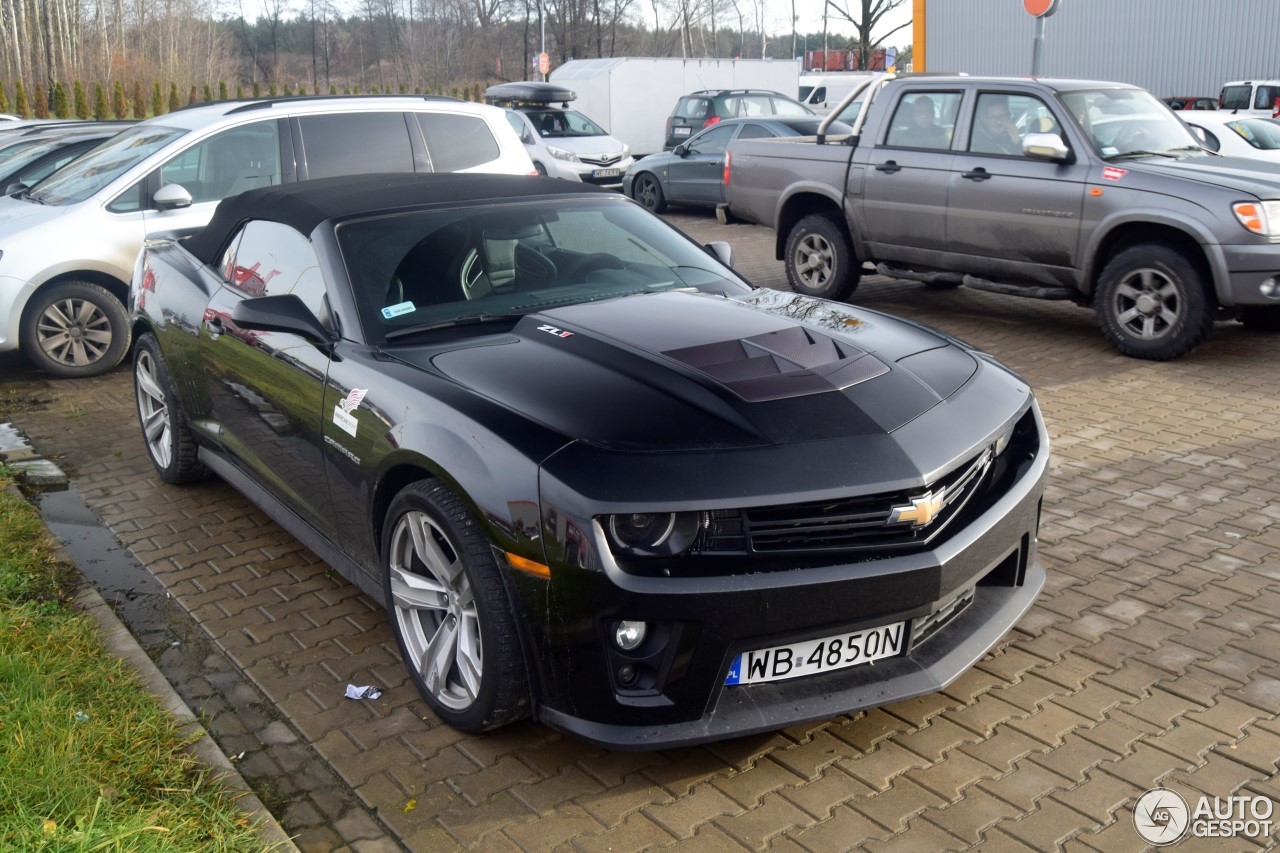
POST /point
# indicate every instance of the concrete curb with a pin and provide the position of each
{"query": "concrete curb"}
(117, 641)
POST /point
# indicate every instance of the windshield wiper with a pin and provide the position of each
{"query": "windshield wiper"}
(468, 320)
(1141, 153)
(26, 194)
(1197, 148)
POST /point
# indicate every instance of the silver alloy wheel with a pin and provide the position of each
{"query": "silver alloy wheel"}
(153, 410)
(436, 611)
(74, 332)
(814, 261)
(647, 192)
(1147, 304)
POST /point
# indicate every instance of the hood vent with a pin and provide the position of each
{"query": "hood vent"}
(792, 362)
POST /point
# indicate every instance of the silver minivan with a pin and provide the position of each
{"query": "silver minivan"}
(68, 244)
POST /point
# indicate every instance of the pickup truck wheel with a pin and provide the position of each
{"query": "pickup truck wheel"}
(648, 191)
(1263, 318)
(820, 260)
(1152, 303)
(450, 612)
(75, 328)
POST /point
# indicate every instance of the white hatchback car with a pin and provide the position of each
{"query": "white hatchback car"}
(1254, 137)
(68, 244)
(562, 143)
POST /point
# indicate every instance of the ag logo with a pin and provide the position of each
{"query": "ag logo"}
(1161, 816)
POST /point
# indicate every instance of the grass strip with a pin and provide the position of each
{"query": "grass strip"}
(88, 760)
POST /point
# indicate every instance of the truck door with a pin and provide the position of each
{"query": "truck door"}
(903, 181)
(1008, 215)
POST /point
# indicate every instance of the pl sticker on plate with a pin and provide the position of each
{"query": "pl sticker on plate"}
(396, 310)
(342, 412)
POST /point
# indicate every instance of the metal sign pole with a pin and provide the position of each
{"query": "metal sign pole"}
(1040, 9)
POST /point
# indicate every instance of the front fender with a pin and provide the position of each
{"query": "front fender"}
(1139, 217)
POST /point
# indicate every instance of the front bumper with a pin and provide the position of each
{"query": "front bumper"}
(14, 294)
(1248, 267)
(588, 173)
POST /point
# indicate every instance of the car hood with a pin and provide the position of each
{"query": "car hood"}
(16, 214)
(681, 370)
(1245, 175)
(588, 145)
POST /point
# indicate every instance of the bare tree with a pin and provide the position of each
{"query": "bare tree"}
(870, 15)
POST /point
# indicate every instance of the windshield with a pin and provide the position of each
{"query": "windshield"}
(415, 272)
(1261, 133)
(1128, 121)
(19, 153)
(558, 124)
(79, 180)
(1235, 97)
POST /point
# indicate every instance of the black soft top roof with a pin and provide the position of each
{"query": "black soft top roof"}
(305, 205)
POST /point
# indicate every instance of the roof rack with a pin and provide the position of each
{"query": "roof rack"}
(248, 104)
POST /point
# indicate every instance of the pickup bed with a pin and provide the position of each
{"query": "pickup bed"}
(1059, 189)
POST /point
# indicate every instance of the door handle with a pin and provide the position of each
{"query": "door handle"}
(889, 166)
(978, 174)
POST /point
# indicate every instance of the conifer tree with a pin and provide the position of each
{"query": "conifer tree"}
(222, 90)
(119, 106)
(157, 100)
(61, 105)
(193, 96)
(288, 91)
(139, 102)
(333, 90)
(4, 99)
(20, 100)
(42, 102)
(272, 90)
(302, 90)
(99, 102)
(257, 89)
(174, 100)
(239, 91)
(81, 100)
(208, 93)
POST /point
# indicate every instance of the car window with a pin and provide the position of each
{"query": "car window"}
(1000, 121)
(786, 107)
(458, 142)
(104, 164)
(272, 259)
(227, 163)
(713, 141)
(1122, 121)
(355, 144)
(692, 107)
(1235, 97)
(923, 120)
(819, 95)
(37, 172)
(562, 123)
(518, 125)
(1266, 97)
(751, 130)
(1261, 133)
(756, 105)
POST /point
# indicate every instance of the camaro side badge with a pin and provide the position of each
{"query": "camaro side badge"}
(342, 412)
(559, 333)
(922, 510)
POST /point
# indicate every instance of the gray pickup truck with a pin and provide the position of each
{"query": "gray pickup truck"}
(1066, 189)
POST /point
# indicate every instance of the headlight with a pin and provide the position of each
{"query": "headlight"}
(1260, 217)
(652, 534)
(626, 151)
(561, 154)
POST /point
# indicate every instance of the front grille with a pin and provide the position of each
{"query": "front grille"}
(844, 524)
(602, 160)
(925, 627)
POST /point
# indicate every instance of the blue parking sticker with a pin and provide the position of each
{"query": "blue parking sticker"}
(396, 310)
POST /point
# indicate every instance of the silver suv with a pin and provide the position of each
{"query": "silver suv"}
(67, 245)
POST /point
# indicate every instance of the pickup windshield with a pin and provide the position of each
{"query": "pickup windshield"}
(1128, 122)
(79, 180)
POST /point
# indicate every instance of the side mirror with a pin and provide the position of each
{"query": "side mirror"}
(681, 150)
(284, 313)
(15, 187)
(721, 251)
(172, 196)
(1046, 146)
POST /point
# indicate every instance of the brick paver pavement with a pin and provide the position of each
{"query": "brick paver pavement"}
(1152, 658)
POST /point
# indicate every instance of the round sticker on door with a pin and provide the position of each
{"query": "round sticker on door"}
(1040, 8)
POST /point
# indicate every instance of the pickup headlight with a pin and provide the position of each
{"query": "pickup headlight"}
(652, 534)
(1260, 217)
(561, 154)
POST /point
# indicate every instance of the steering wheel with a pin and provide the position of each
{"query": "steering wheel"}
(534, 270)
(592, 262)
(1133, 138)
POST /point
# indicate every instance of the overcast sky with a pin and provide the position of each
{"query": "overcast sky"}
(810, 14)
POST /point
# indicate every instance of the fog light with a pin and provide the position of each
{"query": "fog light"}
(1270, 288)
(629, 635)
(627, 675)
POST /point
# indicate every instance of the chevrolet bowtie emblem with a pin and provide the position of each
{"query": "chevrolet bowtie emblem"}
(921, 511)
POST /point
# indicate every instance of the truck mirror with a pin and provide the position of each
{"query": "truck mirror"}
(721, 251)
(1045, 146)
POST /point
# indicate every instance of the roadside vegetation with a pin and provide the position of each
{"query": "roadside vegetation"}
(88, 760)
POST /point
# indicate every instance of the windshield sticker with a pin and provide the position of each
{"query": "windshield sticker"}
(1109, 151)
(342, 412)
(396, 310)
(1111, 173)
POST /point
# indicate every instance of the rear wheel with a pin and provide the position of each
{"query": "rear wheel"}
(648, 191)
(169, 440)
(450, 612)
(820, 260)
(75, 328)
(1152, 303)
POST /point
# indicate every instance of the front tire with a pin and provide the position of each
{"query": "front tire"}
(450, 612)
(648, 191)
(1152, 303)
(170, 442)
(75, 328)
(820, 260)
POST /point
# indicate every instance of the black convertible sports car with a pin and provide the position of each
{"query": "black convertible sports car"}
(594, 475)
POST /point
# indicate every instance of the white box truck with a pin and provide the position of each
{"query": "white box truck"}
(632, 96)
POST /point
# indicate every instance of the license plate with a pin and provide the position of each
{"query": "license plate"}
(814, 656)
(683, 131)
(606, 173)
